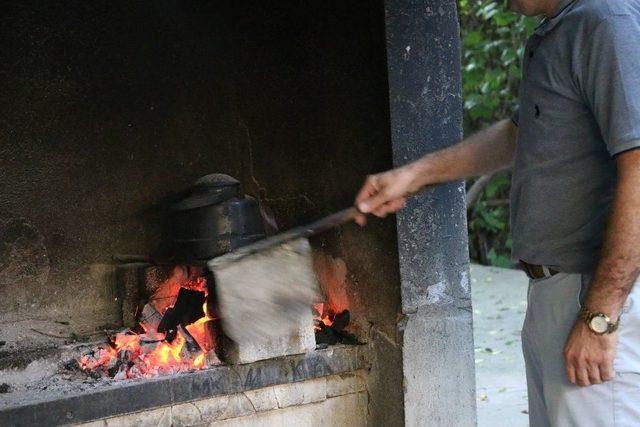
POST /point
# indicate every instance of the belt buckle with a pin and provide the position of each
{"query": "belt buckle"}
(535, 272)
(546, 271)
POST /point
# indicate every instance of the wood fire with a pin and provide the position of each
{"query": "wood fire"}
(164, 343)
(330, 326)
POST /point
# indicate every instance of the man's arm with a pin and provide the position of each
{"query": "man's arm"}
(619, 263)
(489, 150)
(589, 357)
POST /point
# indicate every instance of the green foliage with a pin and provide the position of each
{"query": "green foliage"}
(499, 260)
(489, 238)
(493, 44)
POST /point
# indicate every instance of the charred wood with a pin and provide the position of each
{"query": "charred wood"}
(186, 310)
(335, 333)
(150, 318)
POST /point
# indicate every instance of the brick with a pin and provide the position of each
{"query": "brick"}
(314, 390)
(301, 393)
(289, 395)
(302, 341)
(237, 279)
(238, 406)
(212, 408)
(185, 414)
(338, 385)
(263, 399)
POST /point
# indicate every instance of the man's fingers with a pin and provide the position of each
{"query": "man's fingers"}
(571, 373)
(369, 188)
(397, 204)
(361, 220)
(389, 207)
(382, 210)
(582, 376)
(607, 372)
(576, 370)
(589, 357)
(373, 203)
(594, 374)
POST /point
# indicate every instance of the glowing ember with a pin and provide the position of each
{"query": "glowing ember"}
(199, 331)
(198, 284)
(330, 326)
(131, 355)
(322, 315)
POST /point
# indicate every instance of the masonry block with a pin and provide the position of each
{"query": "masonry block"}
(351, 382)
(301, 393)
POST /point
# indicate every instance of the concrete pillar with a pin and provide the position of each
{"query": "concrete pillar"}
(423, 55)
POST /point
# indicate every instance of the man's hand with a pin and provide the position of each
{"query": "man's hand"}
(589, 357)
(385, 192)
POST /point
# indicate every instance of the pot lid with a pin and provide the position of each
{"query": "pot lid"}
(209, 190)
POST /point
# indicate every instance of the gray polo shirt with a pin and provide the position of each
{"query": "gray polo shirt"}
(579, 106)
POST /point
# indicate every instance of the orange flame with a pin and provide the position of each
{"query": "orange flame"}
(323, 315)
(148, 354)
(198, 362)
(199, 331)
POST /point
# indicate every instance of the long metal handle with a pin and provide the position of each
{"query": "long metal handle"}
(329, 222)
(308, 230)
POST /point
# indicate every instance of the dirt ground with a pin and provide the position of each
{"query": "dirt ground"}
(499, 304)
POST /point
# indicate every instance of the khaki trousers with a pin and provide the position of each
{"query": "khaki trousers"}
(553, 304)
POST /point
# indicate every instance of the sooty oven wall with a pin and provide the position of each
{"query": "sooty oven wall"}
(110, 108)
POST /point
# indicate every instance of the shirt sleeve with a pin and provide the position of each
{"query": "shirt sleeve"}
(610, 71)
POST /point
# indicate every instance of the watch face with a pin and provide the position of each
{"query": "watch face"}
(599, 324)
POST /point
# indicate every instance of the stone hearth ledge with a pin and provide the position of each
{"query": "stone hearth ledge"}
(139, 395)
(336, 400)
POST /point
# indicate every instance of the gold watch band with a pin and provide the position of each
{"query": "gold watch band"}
(586, 315)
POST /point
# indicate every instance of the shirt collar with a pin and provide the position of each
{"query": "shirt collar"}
(550, 23)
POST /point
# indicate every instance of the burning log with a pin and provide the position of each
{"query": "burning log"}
(150, 346)
(325, 336)
(150, 318)
(186, 310)
(341, 320)
(190, 344)
(330, 327)
(191, 349)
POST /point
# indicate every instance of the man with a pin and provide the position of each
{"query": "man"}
(575, 206)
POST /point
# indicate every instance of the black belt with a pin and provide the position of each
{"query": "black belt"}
(537, 271)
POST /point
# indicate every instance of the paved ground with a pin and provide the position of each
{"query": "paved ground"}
(499, 302)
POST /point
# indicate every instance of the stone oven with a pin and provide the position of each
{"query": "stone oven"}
(112, 110)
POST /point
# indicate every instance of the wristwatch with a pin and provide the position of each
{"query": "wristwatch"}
(599, 323)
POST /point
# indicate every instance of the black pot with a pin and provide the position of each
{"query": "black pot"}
(209, 190)
(213, 219)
